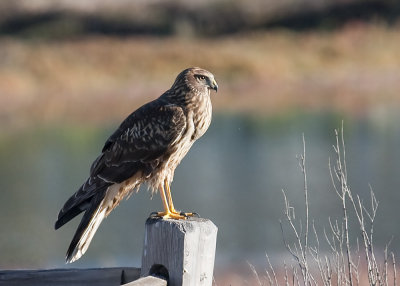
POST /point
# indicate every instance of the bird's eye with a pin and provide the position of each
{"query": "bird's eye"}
(201, 77)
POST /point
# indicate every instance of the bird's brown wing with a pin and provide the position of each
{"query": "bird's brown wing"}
(142, 137)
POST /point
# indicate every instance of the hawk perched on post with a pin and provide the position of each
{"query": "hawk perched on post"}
(146, 148)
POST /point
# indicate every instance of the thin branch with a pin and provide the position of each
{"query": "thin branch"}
(394, 268)
(342, 175)
(286, 274)
(272, 269)
(253, 269)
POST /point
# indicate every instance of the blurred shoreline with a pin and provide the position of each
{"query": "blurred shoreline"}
(353, 70)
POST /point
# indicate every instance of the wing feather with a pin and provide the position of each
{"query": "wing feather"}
(141, 139)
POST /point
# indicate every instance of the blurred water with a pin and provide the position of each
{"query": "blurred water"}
(233, 175)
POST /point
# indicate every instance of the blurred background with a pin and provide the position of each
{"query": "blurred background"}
(71, 71)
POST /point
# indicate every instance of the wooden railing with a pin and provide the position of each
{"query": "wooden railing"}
(177, 252)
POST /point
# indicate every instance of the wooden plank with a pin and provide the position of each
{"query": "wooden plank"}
(63, 277)
(148, 281)
(181, 250)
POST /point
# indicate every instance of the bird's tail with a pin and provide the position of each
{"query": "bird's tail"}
(88, 226)
(107, 197)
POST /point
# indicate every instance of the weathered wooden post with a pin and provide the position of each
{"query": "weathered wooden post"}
(181, 250)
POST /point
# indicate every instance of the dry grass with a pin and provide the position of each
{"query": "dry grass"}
(342, 263)
(351, 70)
(338, 255)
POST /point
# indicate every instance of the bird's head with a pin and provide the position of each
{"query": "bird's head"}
(197, 79)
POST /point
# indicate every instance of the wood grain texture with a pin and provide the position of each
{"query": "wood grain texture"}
(186, 248)
(64, 277)
(148, 281)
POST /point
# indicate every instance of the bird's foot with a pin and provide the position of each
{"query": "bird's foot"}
(189, 214)
(173, 215)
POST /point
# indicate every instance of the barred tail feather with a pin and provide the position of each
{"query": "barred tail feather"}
(98, 208)
(85, 232)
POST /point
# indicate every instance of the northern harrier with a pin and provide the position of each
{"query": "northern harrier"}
(146, 148)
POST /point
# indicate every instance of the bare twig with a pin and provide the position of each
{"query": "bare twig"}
(342, 265)
(286, 274)
(341, 173)
(301, 248)
(394, 268)
(253, 269)
(272, 270)
(302, 163)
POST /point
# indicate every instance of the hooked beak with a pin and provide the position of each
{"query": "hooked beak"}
(214, 85)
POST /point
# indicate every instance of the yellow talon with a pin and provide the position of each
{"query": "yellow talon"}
(169, 209)
(167, 215)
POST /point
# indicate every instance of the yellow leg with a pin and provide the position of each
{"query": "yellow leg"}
(171, 203)
(164, 200)
(169, 197)
(167, 213)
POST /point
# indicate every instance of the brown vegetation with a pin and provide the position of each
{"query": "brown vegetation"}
(351, 70)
